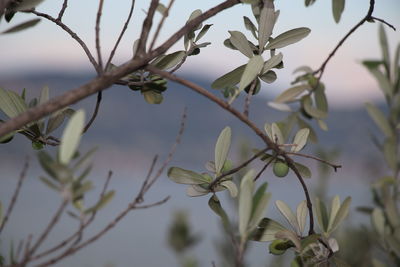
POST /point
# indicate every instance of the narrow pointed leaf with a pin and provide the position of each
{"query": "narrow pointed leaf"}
(245, 202)
(322, 214)
(341, 214)
(196, 191)
(300, 140)
(272, 62)
(182, 176)
(337, 9)
(222, 148)
(170, 60)
(231, 186)
(250, 26)
(215, 206)
(288, 38)
(71, 137)
(384, 46)
(229, 79)
(288, 214)
(380, 120)
(11, 103)
(259, 211)
(203, 31)
(301, 214)
(335, 206)
(267, 230)
(240, 41)
(277, 135)
(291, 93)
(22, 26)
(267, 22)
(251, 71)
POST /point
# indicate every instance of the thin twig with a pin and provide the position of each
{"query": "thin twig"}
(263, 169)
(334, 166)
(147, 23)
(248, 98)
(15, 195)
(128, 19)
(384, 22)
(61, 13)
(72, 34)
(158, 203)
(95, 112)
(238, 168)
(159, 27)
(97, 32)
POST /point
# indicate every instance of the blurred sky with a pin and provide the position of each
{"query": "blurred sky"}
(47, 47)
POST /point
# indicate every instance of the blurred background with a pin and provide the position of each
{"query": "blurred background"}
(129, 132)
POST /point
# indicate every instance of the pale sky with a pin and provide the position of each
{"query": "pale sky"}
(47, 47)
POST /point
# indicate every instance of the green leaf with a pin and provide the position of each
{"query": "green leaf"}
(222, 148)
(153, 97)
(196, 191)
(267, 22)
(251, 71)
(337, 9)
(245, 202)
(267, 230)
(170, 60)
(11, 103)
(335, 206)
(290, 94)
(259, 209)
(384, 46)
(307, 104)
(182, 176)
(341, 214)
(303, 170)
(269, 76)
(27, 4)
(276, 134)
(288, 214)
(250, 26)
(22, 26)
(380, 120)
(203, 31)
(240, 41)
(383, 82)
(56, 119)
(322, 214)
(231, 186)
(301, 214)
(215, 206)
(300, 140)
(272, 62)
(289, 235)
(390, 153)
(229, 79)
(320, 98)
(288, 38)
(302, 124)
(71, 137)
(378, 221)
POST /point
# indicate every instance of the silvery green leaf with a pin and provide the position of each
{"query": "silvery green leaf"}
(288, 38)
(272, 62)
(277, 135)
(303, 170)
(11, 103)
(378, 221)
(245, 202)
(291, 93)
(267, 22)
(22, 26)
(162, 9)
(337, 9)
(335, 206)
(390, 153)
(301, 214)
(396, 67)
(269, 76)
(210, 166)
(215, 205)
(71, 137)
(288, 214)
(302, 124)
(27, 4)
(341, 214)
(305, 69)
(380, 120)
(280, 106)
(290, 235)
(268, 130)
(307, 104)
(383, 81)
(222, 148)
(203, 31)
(240, 41)
(322, 125)
(251, 71)
(229, 79)
(182, 176)
(153, 97)
(196, 191)
(85, 159)
(250, 26)
(56, 119)
(194, 15)
(300, 139)
(170, 60)
(259, 211)
(267, 230)
(231, 186)
(320, 98)
(322, 214)
(384, 46)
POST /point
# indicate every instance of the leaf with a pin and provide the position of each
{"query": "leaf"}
(259, 210)
(245, 202)
(229, 79)
(269, 76)
(55, 120)
(49, 183)
(71, 137)
(307, 104)
(303, 170)
(302, 124)
(280, 107)
(390, 153)
(383, 82)
(27, 4)
(240, 41)
(272, 62)
(182, 176)
(300, 140)
(337, 9)
(203, 31)
(85, 159)
(341, 214)
(335, 206)
(162, 9)
(384, 47)
(301, 214)
(11, 103)
(196, 191)
(267, 22)
(380, 120)
(249, 25)
(267, 230)
(153, 97)
(322, 214)
(291, 93)
(170, 60)
(289, 235)
(222, 148)
(251, 71)
(288, 214)
(22, 26)
(320, 98)
(277, 135)
(231, 186)
(288, 38)
(215, 206)
(378, 221)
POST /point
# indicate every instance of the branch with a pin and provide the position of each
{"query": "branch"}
(263, 169)
(64, 7)
(15, 195)
(334, 166)
(147, 23)
(238, 168)
(72, 34)
(107, 79)
(97, 30)
(95, 112)
(164, 16)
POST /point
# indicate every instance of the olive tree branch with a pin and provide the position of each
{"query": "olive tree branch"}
(109, 78)
(15, 195)
(334, 166)
(264, 168)
(164, 16)
(97, 32)
(62, 11)
(147, 24)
